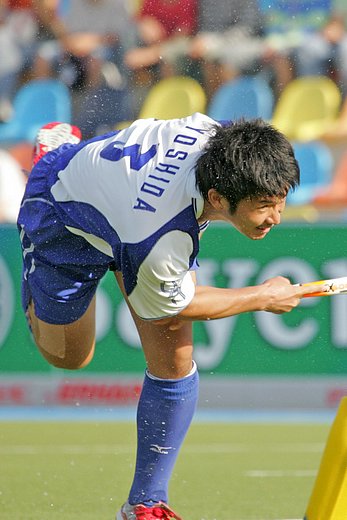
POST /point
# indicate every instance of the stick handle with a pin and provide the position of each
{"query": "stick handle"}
(334, 286)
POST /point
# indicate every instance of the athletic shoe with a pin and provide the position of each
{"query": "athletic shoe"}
(53, 135)
(142, 512)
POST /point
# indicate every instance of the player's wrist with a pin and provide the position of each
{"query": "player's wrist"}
(264, 299)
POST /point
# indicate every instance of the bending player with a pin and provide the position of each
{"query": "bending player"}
(136, 201)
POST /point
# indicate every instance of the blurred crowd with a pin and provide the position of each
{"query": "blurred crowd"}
(111, 52)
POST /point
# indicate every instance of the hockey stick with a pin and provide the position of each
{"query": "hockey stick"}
(333, 286)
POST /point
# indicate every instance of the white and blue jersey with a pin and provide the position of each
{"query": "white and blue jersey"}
(128, 198)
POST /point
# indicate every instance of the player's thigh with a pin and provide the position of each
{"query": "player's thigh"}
(168, 352)
(69, 346)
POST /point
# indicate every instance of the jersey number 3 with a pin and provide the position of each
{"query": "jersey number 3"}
(116, 150)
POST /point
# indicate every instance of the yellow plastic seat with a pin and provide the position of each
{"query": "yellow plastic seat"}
(176, 96)
(307, 108)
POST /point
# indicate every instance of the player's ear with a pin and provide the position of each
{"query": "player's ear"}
(216, 200)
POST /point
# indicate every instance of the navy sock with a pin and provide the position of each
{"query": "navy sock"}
(165, 411)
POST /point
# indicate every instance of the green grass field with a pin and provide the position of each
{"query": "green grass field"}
(226, 471)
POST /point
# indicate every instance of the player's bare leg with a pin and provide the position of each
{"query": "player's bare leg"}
(168, 352)
(165, 411)
(68, 346)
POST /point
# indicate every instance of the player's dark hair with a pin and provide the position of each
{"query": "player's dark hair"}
(247, 159)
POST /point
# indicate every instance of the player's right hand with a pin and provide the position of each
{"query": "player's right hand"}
(282, 296)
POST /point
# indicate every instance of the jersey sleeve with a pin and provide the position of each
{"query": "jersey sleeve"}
(164, 284)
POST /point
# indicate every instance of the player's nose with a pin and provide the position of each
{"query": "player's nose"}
(274, 218)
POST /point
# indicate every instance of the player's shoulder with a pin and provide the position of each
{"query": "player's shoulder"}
(197, 120)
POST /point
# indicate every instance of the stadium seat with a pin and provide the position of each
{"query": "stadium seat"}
(36, 103)
(316, 170)
(246, 96)
(307, 108)
(176, 96)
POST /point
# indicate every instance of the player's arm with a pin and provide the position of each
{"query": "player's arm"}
(276, 295)
(166, 289)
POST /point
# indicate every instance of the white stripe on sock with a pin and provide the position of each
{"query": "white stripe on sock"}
(155, 378)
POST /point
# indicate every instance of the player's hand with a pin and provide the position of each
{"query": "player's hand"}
(282, 296)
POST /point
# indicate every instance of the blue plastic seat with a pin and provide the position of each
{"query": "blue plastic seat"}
(316, 170)
(246, 96)
(36, 103)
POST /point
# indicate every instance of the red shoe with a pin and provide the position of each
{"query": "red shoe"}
(53, 135)
(142, 512)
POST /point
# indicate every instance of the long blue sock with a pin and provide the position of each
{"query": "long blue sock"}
(165, 411)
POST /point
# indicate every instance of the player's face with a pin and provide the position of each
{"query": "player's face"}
(254, 218)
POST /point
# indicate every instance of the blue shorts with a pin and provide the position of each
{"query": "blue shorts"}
(61, 270)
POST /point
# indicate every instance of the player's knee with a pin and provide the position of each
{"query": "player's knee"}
(64, 346)
(62, 353)
(79, 359)
(70, 360)
(71, 364)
